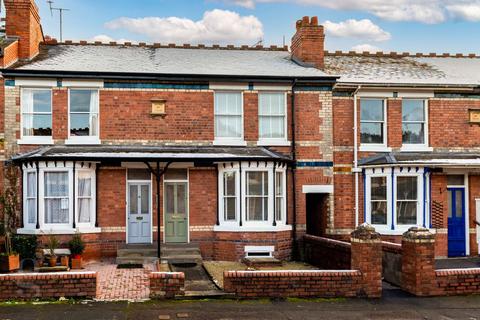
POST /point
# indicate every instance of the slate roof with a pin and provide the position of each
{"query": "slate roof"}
(169, 61)
(150, 153)
(431, 159)
(404, 69)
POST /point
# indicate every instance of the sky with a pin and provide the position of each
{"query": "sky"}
(364, 25)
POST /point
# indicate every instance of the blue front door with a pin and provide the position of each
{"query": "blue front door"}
(456, 222)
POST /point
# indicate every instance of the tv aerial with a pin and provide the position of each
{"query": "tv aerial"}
(60, 14)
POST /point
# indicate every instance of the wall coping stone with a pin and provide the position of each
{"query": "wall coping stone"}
(419, 235)
(365, 233)
(453, 272)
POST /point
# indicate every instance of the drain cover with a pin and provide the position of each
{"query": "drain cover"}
(184, 264)
(130, 266)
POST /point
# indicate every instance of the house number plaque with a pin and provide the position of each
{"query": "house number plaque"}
(474, 116)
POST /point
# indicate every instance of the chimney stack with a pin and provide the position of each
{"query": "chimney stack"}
(23, 22)
(308, 42)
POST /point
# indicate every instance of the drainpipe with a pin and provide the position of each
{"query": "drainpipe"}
(294, 166)
(355, 170)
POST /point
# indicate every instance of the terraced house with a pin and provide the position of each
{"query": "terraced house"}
(238, 150)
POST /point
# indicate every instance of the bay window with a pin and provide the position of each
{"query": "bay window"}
(228, 117)
(63, 194)
(414, 122)
(378, 200)
(36, 105)
(83, 114)
(407, 200)
(272, 116)
(252, 197)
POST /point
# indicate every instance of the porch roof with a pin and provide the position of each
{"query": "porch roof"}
(137, 153)
(430, 159)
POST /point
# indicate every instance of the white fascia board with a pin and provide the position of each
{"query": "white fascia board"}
(29, 82)
(83, 83)
(228, 86)
(271, 87)
(320, 188)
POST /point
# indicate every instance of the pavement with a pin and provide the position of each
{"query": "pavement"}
(393, 305)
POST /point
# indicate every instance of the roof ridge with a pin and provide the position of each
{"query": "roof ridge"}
(394, 54)
(53, 41)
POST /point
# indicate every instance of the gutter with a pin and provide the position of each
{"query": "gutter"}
(355, 169)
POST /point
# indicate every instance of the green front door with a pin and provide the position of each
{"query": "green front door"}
(176, 212)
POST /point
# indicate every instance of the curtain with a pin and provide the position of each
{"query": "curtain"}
(271, 112)
(56, 197)
(84, 196)
(228, 115)
(27, 111)
(94, 113)
(31, 197)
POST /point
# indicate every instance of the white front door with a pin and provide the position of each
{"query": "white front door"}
(139, 228)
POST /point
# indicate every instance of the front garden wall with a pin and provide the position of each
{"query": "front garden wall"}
(166, 284)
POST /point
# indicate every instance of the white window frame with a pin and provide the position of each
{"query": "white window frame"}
(84, 139)
(284, 196)
(25, 198)
(375, 147)
(269, 197)
(92, 199)
(418, 146)
(57, 228)
(398, 229)
(35, 139)
(221, 196)
(283, 141)
(232, 141)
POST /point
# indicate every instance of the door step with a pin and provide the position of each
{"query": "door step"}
(181, 253)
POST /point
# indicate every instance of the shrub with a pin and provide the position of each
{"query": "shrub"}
(76, 245)
(25, 246)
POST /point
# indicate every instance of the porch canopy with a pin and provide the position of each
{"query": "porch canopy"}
(428, 159)
(151, 156)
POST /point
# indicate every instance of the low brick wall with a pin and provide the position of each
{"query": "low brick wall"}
(257, 284)
(327, 253)
(166, 284)
(458, 281)
(392, 262)
(25, 286)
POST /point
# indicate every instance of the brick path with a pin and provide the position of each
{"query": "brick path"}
(120, 284)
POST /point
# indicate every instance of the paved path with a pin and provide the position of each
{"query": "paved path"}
(121, 284)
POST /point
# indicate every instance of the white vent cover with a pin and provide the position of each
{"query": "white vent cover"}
(259, 251)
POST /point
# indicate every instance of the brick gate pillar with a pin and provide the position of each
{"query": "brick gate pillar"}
(418, 261)
(366, 256)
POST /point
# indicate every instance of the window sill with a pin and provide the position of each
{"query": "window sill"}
(414, 148)
(367, 148)
(58, 231)
(231, 142)
(36, 140)
(277, 228)
(383, 230)
(273, 142)
(87, 141)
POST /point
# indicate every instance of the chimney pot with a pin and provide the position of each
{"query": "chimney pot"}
(314, 21)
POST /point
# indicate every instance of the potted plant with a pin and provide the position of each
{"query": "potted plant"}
(52, 245)
(9, 260)
(77, 246)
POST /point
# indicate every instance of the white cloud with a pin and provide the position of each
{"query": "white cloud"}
(106, 39)
(423, 11)
(360, 29)
(216, 26)
(366, 47)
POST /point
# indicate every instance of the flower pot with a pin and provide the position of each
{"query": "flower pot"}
(52, 261)
(9, 263)
(64, 261)
(77, 262)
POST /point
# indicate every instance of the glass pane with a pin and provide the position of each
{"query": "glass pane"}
(413, 133)
(455, 180)
(279, 209)
(31, 184)
(133, 199)
(257, 183)
(84, 184)
(378, 188)
(279, 183)
(37, 125)
(255, 209)
(84, 210)
(228, 126)
(80, 100)
(271, 104)
(406, 212)
(79, 124)
(230, 208)
(170, 198)
(176, 174)
(56, 184)
(229, 181)
(271, 126)
(371, 132)
(42, 100)
(406, 188)
(449, 203)
(228, 103)
(56, 210)
(32, 211)
(181, 198)
(145, 197)
(139, 174)
(413, 110)
(371, 110)
(458, 204)
(379, 212)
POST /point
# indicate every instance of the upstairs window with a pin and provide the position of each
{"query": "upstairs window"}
(228, 116)
(414, 122)
(83, 113)
(36, 113)
(271, 115)
(372, 122)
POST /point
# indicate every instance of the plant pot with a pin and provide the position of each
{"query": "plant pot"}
(77, 262)
(9, 263)
(52, 261)
(64, 261)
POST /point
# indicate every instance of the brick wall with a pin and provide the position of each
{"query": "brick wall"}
(10, 54)
(166, 284)
(308, 42)
(327, 253)
(48, 285)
